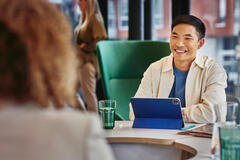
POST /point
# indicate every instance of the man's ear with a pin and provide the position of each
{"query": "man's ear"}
(200, 43)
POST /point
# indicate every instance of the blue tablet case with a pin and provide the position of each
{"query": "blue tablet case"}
(158, 113)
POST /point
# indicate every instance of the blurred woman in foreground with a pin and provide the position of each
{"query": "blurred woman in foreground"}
(38, 72)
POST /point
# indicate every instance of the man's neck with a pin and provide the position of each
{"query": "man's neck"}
(182, 65)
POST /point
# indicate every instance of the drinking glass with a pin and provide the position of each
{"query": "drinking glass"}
(107, 109)
(231, 118)
(232, 108)
(229, 142)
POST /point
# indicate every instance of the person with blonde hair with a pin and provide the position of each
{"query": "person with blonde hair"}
(89, 31)
(38, 74)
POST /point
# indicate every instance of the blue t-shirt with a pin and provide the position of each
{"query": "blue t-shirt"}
(178, 89)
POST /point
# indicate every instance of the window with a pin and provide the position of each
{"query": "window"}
(161, 19)
(112, 29)
(118, 19)
(123, 12)
(158, 13)
(221, 18)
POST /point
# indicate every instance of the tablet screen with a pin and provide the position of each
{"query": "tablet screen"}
(158, 113)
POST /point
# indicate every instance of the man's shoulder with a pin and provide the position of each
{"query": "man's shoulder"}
(162, 61)
(210, 63)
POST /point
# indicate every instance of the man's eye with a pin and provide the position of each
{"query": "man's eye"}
(188, 38)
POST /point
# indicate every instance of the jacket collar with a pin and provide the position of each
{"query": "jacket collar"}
(168, 64)
(199, 60)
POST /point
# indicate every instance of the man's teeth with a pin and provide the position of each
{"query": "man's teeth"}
(180, 51)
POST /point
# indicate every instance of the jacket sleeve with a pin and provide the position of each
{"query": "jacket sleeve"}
(212, 105)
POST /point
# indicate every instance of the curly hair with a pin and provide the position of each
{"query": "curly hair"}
(37, 60)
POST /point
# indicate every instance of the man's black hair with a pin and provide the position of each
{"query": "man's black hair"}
(191, 20)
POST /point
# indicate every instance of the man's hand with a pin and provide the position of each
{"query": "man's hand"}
(184, 114)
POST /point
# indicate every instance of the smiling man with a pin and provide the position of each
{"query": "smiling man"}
(197, 80)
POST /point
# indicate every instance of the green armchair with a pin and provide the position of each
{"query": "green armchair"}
(122, 64)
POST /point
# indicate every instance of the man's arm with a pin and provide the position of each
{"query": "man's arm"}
(212, 104)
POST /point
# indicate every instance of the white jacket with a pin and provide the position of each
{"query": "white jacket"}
(32, 134)
(204, 93)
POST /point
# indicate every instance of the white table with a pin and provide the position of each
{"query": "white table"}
(155, 144)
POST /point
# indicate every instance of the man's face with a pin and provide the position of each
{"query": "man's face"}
(184, 42)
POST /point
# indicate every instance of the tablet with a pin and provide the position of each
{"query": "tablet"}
(204, 128)
(159, 113)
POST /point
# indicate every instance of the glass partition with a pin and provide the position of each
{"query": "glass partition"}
(222, 21)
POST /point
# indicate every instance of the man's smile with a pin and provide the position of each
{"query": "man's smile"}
(180, 51)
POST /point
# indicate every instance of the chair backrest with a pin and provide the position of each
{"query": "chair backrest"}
(122, 64)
